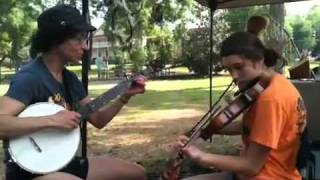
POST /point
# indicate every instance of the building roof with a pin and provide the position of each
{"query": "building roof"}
(99, 32)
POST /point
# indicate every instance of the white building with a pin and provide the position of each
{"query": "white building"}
(100, 44)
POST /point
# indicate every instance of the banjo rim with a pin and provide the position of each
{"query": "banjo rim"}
(13, 156)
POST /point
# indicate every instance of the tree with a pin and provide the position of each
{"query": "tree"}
(314, 17)
(302, 33)
(275, 36)
(196, 45)
(277, 12)
(237, 18)
(143, 24)
(17, 24)
(50, 3)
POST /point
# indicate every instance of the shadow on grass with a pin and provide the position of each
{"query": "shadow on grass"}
(149, 143)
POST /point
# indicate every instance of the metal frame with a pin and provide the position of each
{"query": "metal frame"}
(85, 69)
(223, 4)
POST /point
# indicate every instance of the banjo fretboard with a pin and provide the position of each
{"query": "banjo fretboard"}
(104, 98)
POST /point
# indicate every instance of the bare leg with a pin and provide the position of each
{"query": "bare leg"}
(107, 168)
(58, 175)
(213, 176)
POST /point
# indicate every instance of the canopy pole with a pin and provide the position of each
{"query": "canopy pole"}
(213, 6)
(85, 69)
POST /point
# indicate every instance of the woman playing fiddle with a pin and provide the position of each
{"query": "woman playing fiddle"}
(269, 129)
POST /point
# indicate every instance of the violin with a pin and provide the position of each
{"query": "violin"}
(233, 110)
(215, 119)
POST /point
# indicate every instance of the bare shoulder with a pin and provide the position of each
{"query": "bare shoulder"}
(10, 106)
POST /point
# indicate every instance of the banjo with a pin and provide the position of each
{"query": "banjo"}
(37, 152)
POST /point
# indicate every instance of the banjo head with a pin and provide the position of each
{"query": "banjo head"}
(56, 147)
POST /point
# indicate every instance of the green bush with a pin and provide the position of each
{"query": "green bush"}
(138, 57)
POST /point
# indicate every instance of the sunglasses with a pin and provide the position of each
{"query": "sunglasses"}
(81, 38)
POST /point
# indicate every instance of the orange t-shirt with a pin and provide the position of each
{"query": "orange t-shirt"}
(271, 122)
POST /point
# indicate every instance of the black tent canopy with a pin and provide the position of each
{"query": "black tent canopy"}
(223, 4)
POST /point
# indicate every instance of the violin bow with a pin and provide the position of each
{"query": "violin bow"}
(172, 172)
(200, 122)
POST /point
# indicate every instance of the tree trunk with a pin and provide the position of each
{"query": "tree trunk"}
(280, 39)
(14, 52)
(278, 12)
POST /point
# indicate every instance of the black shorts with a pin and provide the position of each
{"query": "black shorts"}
(78, 167)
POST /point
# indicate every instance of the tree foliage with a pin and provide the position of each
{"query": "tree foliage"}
(237, 18)
(314, 17)
(17, 24)
(302, 33)
(306, 30)
(196, 46)
(153, 25)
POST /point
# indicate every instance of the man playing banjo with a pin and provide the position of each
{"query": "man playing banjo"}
(60, 39)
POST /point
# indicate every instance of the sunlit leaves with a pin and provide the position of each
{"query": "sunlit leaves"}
(17, 24)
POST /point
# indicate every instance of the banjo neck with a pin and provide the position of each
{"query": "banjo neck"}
(37, 152)
(104, 99)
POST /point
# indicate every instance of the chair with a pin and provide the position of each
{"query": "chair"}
(309, 90)
(300, 70)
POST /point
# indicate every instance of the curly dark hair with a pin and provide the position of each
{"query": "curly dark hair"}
(43, 41)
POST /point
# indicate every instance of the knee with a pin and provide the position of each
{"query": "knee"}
(138, 172)
(57, 175)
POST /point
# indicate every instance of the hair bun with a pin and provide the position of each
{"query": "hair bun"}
(270, 57)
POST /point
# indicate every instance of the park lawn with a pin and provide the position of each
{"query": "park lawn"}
(167, 95)
(146, 126)
(149, 123)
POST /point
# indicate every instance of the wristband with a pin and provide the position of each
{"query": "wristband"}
(123, 100)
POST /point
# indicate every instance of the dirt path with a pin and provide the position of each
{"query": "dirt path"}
(149, 140)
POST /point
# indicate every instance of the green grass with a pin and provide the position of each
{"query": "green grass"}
(6, 73)
(167, 109)
(151, 121)
(180, 70)
(171, 88)
(173, 94)
(160, 98)
(3, 88)
(165, 94)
